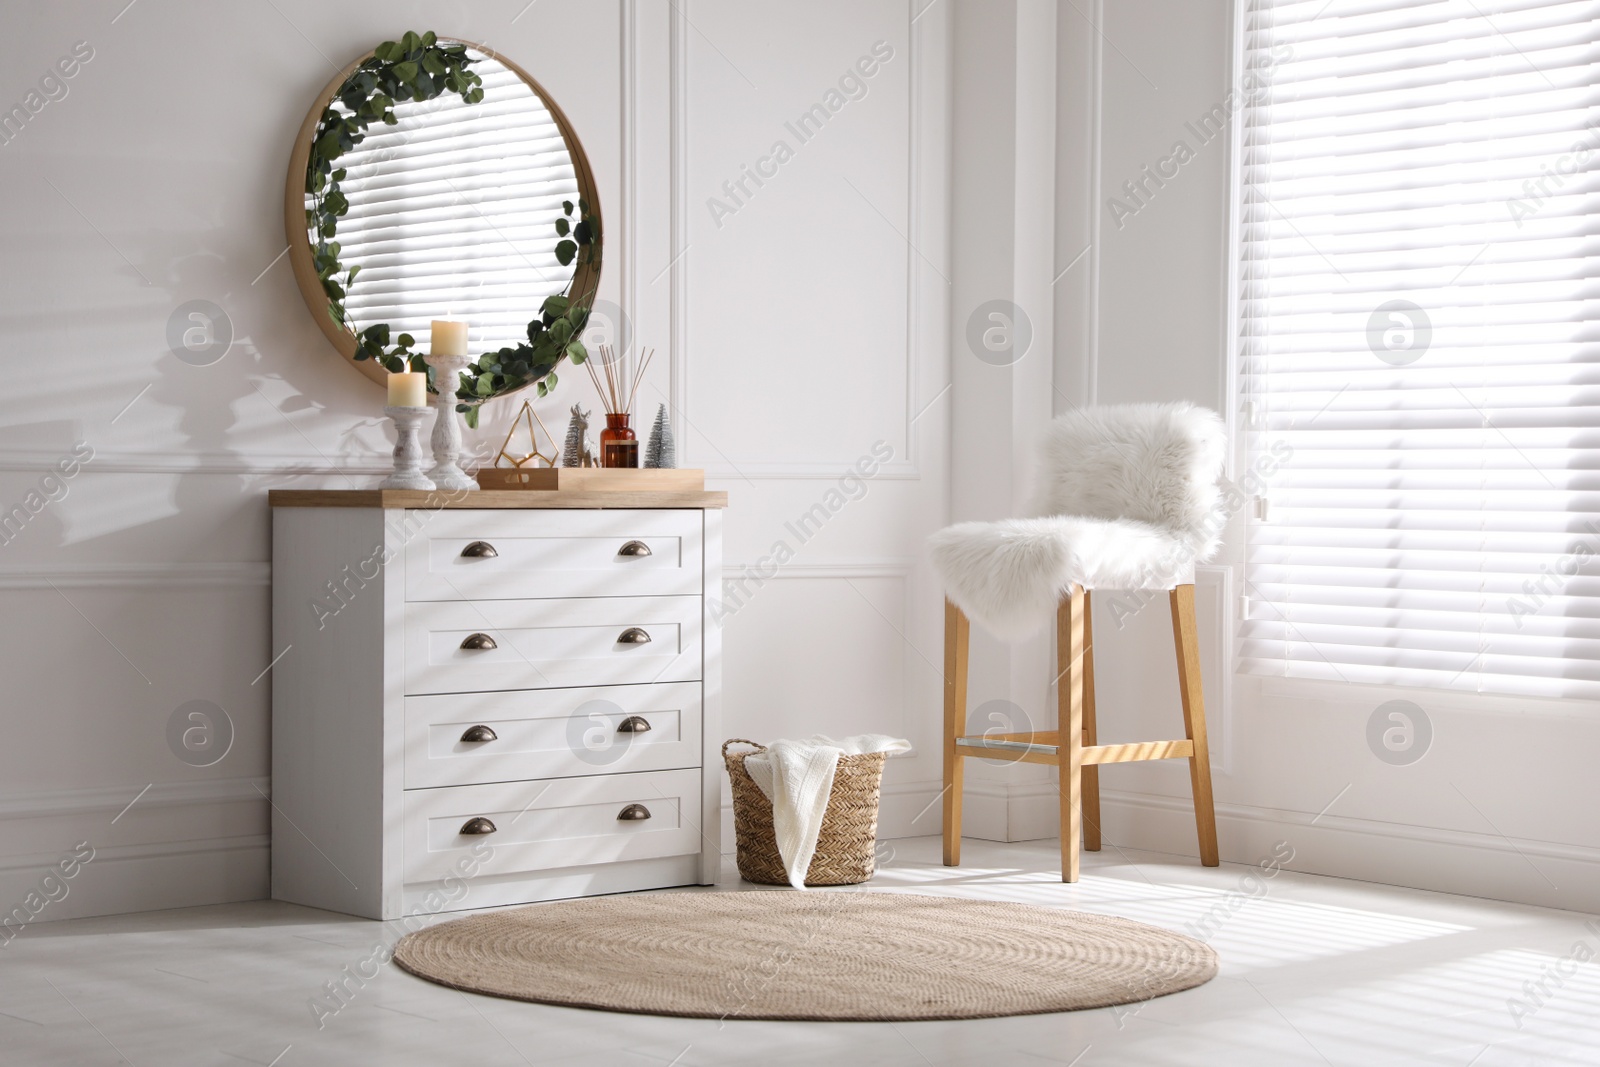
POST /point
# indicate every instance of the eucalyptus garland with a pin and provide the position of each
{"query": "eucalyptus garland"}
(551, 337)
(417, 67)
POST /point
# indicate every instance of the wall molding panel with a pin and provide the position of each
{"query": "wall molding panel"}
(133, 575)
(927, 229)
(96, 799)
(1545, 873)
(273, 464)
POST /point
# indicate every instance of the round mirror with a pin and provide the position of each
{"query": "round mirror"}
(435, 179)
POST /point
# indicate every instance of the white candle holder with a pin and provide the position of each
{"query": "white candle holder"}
(446, 472)
(408, 454)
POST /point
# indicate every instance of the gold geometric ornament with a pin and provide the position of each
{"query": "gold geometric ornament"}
(526, 417)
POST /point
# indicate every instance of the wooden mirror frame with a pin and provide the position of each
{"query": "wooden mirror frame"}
(584, 279)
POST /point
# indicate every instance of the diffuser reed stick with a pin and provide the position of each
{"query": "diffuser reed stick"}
(619, 445)
(617, 394)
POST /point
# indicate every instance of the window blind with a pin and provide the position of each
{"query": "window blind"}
(1419, 268)
(453, 211)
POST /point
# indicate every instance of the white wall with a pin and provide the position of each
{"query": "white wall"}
(828, 312)
(793, 337)
(811, 310)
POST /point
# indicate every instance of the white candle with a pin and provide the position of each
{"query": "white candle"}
(408, 390)
(448, 338)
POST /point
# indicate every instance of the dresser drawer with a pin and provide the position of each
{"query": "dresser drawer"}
(550, 733)
(518, 555)
(544, 644)
(566, 822)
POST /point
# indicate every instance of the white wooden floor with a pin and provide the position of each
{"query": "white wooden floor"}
(1314, 971)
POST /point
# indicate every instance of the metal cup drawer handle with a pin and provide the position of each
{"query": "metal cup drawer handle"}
(479, 643)
(480, 733)
(478, 825)
(633, 813)
(479, 550)
(634, 724)
(634, 549)
(633, 636)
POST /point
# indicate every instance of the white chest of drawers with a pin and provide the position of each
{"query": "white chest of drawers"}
(492, 698)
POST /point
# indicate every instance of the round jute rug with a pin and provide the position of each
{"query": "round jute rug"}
(814, 955)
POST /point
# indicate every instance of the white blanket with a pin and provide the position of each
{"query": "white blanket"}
(797, 776)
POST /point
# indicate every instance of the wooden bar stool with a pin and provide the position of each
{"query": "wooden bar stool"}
(1129, 502)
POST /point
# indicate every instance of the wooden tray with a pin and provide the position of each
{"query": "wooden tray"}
(591, 479)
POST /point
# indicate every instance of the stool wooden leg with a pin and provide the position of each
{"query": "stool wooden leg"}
(957, 632)
(1069, 721)
(1091, 773)
(1187, 641)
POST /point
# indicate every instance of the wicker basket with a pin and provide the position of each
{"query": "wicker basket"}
(846, 847)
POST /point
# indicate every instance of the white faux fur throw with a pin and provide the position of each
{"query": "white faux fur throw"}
(1127, 498)
(797, 776)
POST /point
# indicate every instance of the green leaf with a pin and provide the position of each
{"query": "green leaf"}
(431, 63)
(429, 39)
(351, 277)
(563, 226)
(406, 72)
(472, 417)
(575, 351)
(566, 207)
(565, 250)
(555, 305)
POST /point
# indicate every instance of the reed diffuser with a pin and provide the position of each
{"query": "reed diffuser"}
(619, 444)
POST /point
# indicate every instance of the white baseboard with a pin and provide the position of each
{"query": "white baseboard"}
(191, 866)
(164, 845)
(146, 877)
(914, 809)
(1544, 873)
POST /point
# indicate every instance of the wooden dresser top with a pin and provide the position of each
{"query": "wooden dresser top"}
(509, 499)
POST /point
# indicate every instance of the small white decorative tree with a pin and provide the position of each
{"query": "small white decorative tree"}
(662, 451)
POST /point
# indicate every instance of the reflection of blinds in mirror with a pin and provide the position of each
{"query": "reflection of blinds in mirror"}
(453, 212)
